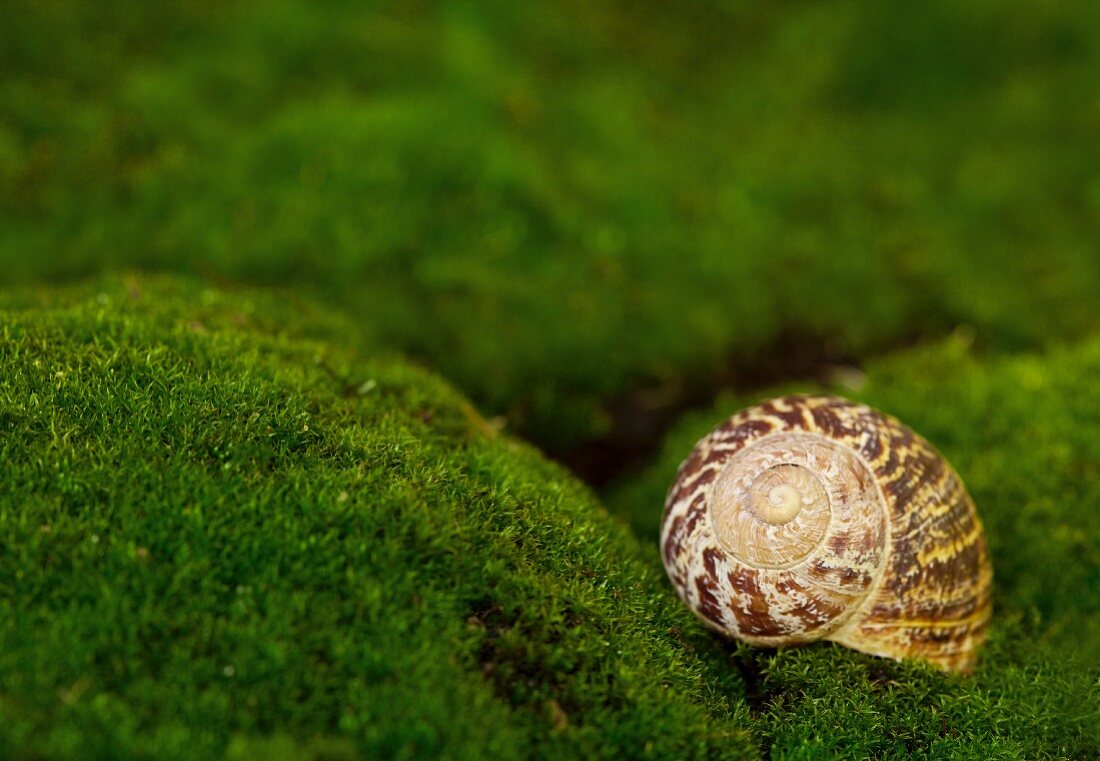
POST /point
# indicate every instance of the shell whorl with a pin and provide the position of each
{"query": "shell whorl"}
(808, 518)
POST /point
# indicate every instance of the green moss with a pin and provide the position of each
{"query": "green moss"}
(227, 534)
(567, 210)
(222, 535)
(1022, 433)
(557, 205)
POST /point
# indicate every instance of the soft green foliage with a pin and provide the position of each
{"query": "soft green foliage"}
(1022, 433)
(556, 203)
(222, 536)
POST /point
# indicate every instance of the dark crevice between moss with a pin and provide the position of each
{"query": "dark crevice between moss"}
(519, 674)
(641, 418)
(757, 697)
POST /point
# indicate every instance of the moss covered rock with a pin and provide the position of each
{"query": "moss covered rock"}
(221, 534)
(225, 534)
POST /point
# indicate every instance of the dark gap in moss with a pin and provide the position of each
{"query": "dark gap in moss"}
(519, 673)
(757, 696)
(641, 418)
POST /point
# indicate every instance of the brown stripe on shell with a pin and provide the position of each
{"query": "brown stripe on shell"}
(696, 480)
(708, 603)
(673, 540)
(697, 511)
(754, 618)
(740, 431)
(811, 610)
(791, 417)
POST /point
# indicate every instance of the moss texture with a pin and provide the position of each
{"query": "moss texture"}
(227, 535)
(558, 203)
(239, 522)
(1022, 434)
(221, 538)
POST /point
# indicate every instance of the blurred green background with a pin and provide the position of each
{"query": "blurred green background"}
(579, 212)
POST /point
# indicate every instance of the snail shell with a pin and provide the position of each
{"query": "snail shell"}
(811, 517)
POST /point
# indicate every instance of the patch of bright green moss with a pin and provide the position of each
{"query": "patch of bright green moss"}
(556, 203)
(223, 536)
(1023, 434)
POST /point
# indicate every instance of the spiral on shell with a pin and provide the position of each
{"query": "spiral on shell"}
(811, 517)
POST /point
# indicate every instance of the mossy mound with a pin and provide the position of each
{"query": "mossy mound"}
(1022, 432)
(558, 204)
(226, 534)
(221, 535)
